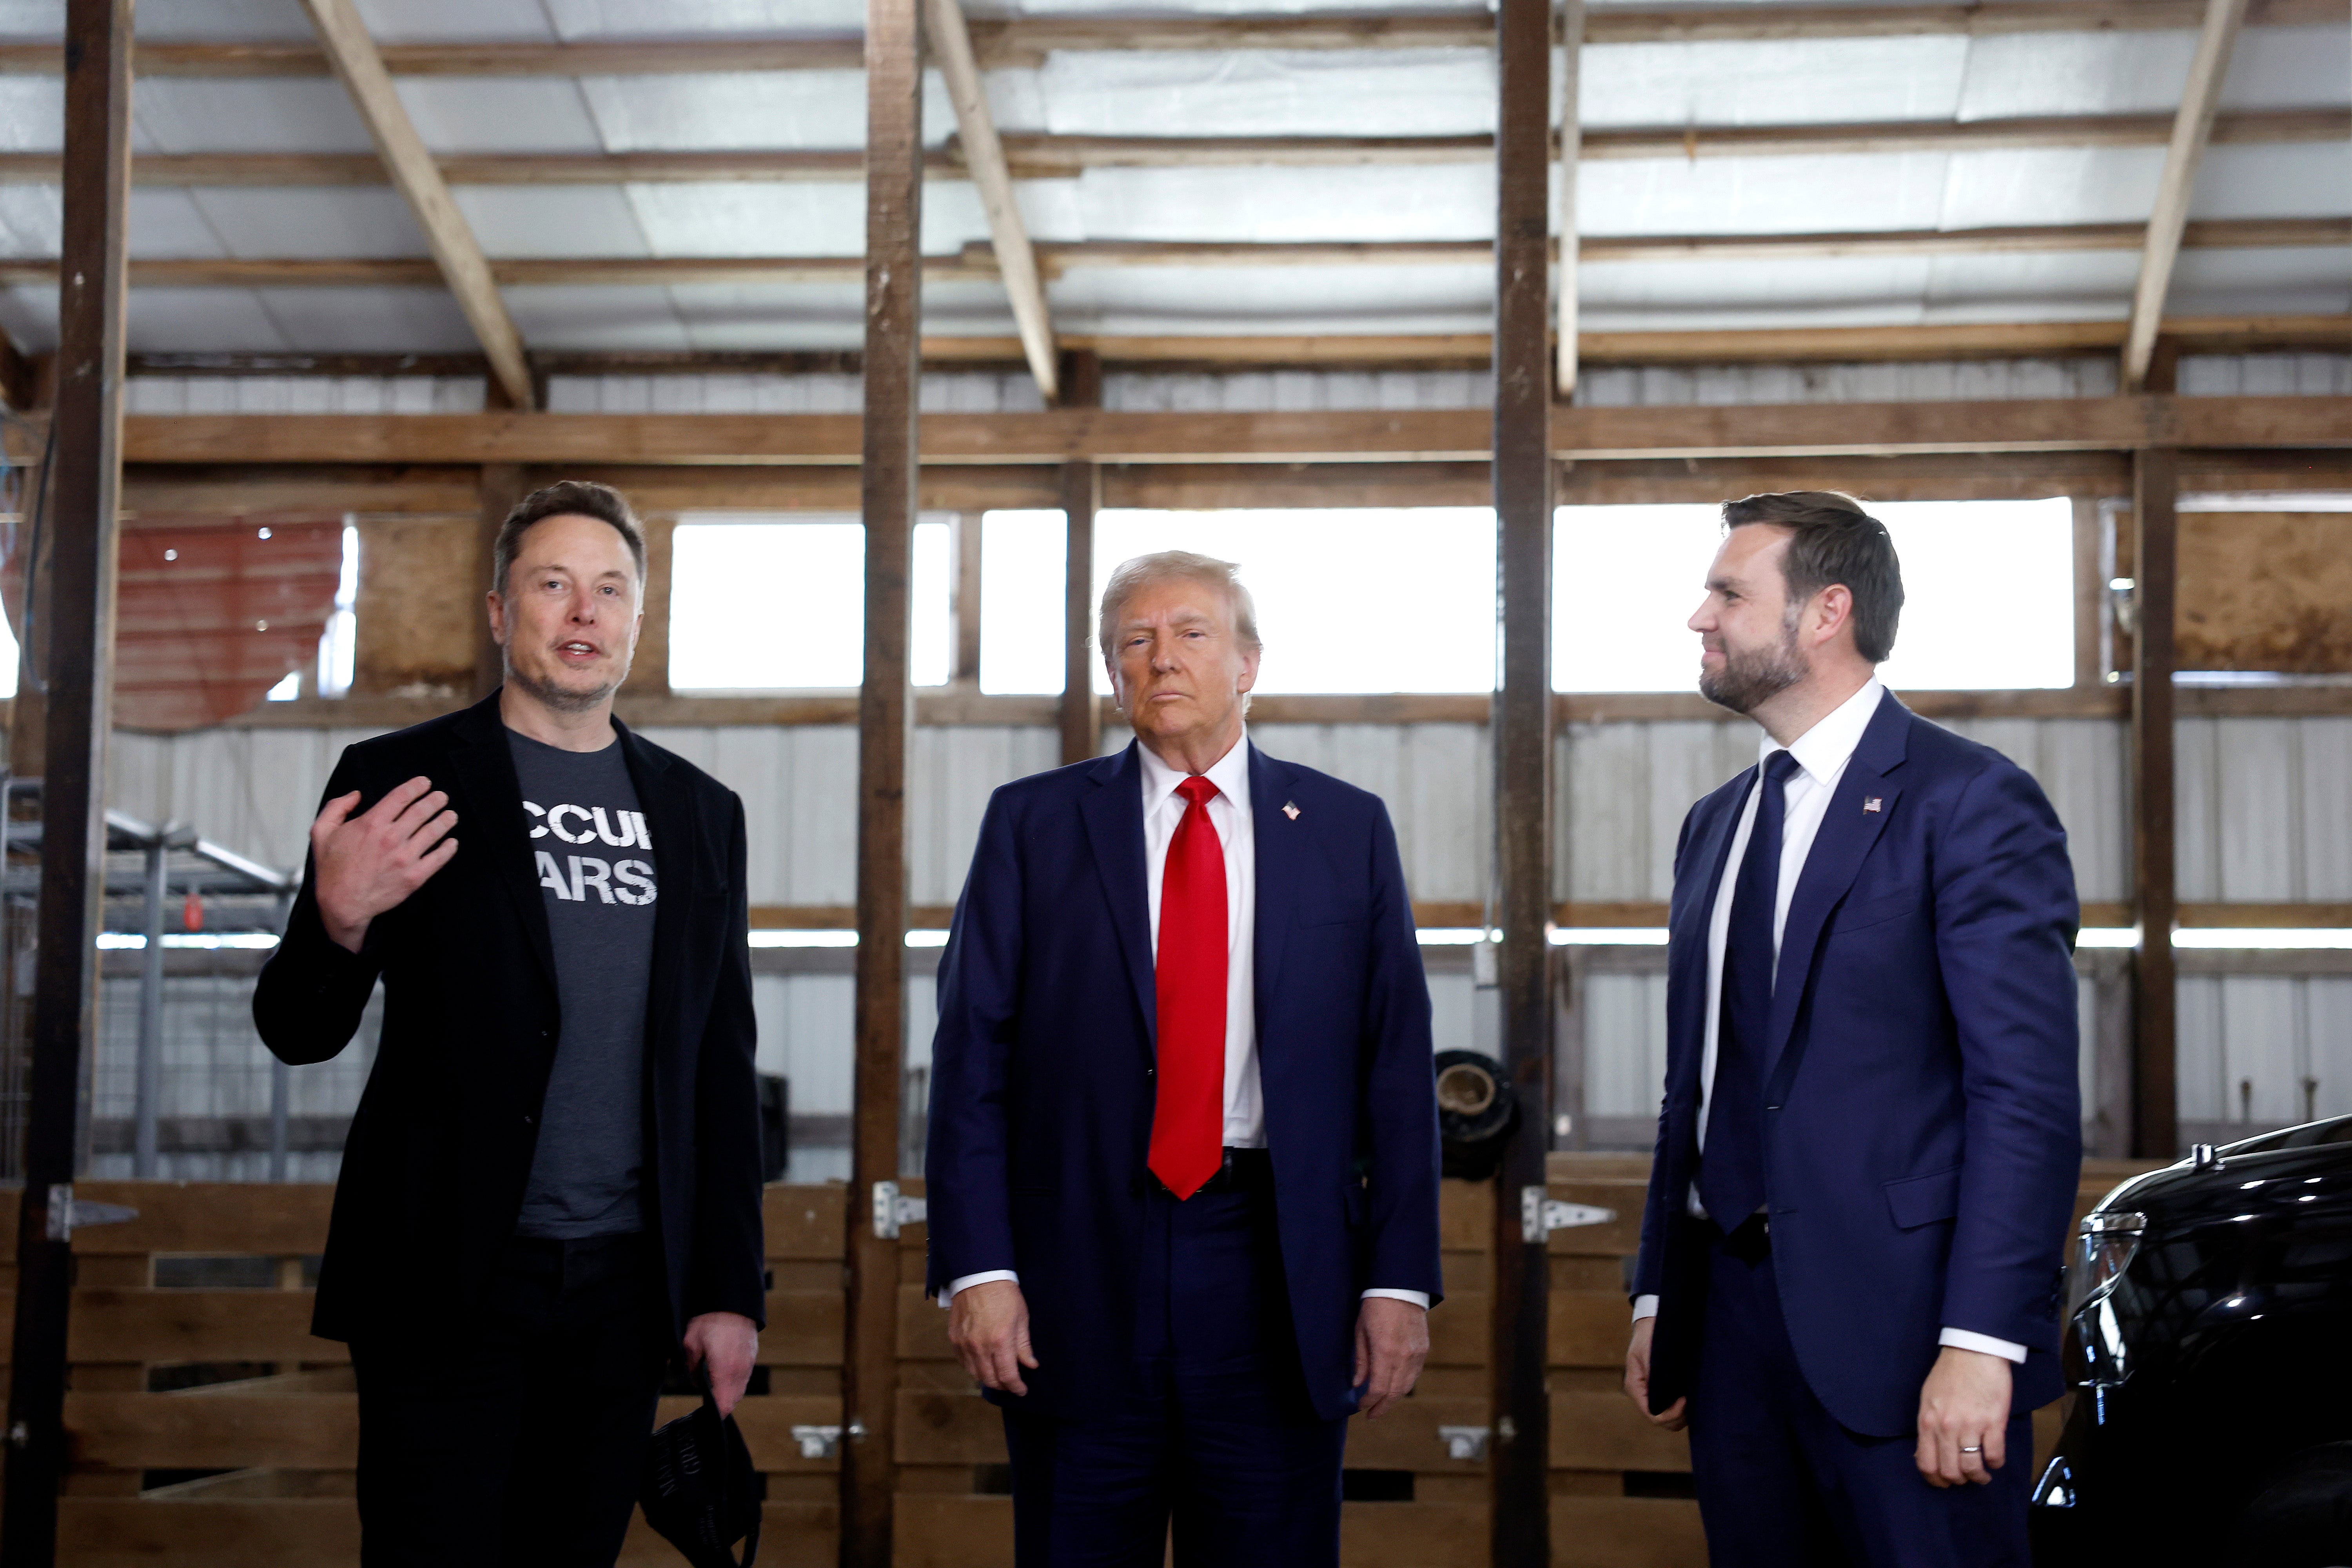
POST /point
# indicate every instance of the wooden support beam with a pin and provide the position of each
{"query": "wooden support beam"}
(1522, 739)
(1460, 351)
(2090, 595)
(888, 480)
(1059, 157)
(2155, 892)
(84, 508)
(649, 670)
(1081, 498)
(984, 158)
(463, 266)
(979, 262)
(1027, 40)
(963, 662)
(1426, 435)
(2169, 220)
(1565, 340)
(502, 486)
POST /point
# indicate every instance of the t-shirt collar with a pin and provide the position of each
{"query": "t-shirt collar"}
(1823, 750)
(1229, 772)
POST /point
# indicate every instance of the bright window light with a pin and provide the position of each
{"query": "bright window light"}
(1347, 600)
(338, 643)
(287, 690)
(1021, 556)
(1989, 594)
(930, 592)
(8, 658)
(731, 574)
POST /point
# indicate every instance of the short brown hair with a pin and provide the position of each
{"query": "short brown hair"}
(566, 498)
(1835, 543)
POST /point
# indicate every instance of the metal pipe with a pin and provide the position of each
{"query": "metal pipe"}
(149, 1092)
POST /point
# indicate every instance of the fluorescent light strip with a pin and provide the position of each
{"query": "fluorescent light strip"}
(208, 942)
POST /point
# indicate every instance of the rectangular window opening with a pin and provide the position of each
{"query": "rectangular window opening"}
(777, 603)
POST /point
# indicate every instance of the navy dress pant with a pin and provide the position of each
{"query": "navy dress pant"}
(1782, 1485)
(1217, 1437)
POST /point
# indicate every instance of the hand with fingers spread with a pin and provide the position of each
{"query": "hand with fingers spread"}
(368, 864)
(1675, 1416)
(1391, 1342)
(988, 1324)
(1964, 1418)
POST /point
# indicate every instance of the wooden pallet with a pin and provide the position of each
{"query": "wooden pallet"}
(285, 1439)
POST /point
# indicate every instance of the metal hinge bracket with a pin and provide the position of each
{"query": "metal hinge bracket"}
(1464, 1442)
(1540, 1216)
(825, 1442)
(68, 1214)
(894, 1210)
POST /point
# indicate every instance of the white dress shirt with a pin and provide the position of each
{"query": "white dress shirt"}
(1821, 753)
(1229, 814)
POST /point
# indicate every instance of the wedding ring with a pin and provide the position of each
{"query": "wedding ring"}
(1971, 1450)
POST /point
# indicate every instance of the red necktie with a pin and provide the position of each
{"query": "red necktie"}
(1188, 1121)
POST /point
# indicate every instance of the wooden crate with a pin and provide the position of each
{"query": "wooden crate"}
(284, 1439)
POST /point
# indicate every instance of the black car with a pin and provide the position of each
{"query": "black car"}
(2209, 1355)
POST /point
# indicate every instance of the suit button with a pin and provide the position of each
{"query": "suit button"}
(1152, 1072)
(528, 1121)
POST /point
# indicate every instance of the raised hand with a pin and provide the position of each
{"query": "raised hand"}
(362, 866)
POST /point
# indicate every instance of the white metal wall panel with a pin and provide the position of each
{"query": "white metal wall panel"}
(799, 785)
(951, 775)
(1436, 778)
(1622, 793)
(1625, 1043)
(2264, 1050)
(303, 395)
(2265, 809)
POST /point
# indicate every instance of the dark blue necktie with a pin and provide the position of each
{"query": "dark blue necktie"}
(1731, 1170)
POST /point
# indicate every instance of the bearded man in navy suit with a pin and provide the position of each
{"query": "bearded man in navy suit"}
(1867, 1154)
(1183, 1163)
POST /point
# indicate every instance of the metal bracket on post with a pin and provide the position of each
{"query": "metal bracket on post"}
(825, 1442)
(1540, 1216)
(893, 1210)
(68, 1213)
(1464, 1442)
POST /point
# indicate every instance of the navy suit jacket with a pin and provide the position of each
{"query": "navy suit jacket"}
(1923, 1133)
(1041, 1088)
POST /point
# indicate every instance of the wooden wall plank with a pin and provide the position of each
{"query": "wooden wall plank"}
(1626, 1532)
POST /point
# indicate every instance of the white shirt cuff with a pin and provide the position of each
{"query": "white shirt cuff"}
(948, 1293)
(1418, 1297)
(1644, 1307)
(1961, 1339)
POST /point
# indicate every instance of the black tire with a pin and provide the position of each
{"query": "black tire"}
(2301, 1517)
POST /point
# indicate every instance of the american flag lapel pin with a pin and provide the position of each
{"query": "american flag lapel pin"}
(1870, 803)
(1291, 811)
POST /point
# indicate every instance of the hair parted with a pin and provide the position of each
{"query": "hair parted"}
(1177, 566)
(566, 498)
(1835, 540)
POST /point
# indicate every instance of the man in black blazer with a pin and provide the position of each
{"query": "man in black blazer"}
(551, 1185)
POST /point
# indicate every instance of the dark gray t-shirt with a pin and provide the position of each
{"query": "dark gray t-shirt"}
(596, 864)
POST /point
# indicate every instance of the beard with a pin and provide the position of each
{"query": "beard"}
(561, 699)
(1753, 676)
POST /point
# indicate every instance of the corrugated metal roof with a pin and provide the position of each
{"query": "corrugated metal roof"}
(1385, 92)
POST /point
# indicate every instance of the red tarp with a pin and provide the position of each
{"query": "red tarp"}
(209, 613)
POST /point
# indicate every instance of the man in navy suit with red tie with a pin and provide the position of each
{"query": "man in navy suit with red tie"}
(1867, 1153)
(1183, 1162)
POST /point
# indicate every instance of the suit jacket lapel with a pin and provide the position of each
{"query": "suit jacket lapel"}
(1846, 834)
(485, 769)
(1281, 852)
(1687, 932)
(1113, 813)
(669, 813)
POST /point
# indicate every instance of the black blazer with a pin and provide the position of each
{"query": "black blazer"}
(441, 1147)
